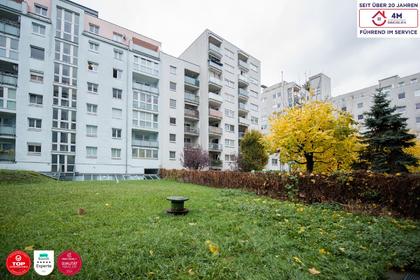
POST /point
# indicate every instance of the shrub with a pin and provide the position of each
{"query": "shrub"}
(398, 195)
(195, 158)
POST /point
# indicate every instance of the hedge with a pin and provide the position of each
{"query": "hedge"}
(397, 195)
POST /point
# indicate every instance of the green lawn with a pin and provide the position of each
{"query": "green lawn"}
(126, 234)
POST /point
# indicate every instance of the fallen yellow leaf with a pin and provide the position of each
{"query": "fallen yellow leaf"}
(213, 248)
(29, 248)
(314, 271)
(296, 259)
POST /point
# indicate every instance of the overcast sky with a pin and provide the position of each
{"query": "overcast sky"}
(293, 36)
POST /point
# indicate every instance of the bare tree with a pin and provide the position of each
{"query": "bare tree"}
(195, 158)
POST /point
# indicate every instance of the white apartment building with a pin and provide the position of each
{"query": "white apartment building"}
(403, 92)
(283, 95)
(80, 95)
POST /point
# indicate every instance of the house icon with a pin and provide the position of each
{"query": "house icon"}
(379, 18)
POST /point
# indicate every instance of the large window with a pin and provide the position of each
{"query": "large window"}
(7, 98)
(64, 119)
(144, 153)
(146, 65)
(9, 47)
(63, 141)
(67, 26)
(145, 101)
(145, 120)
(64, 97)
(65, 74)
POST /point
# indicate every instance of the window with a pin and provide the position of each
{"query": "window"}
(274, 96)
(146, 65)
(63, 118)
(254, 120)
(93, 28)
(172, 103)
(401, 95)
(64, 97)
(116, 153)
(417, 93)
(91, 130)
(38, 29)
(34, 148)
(229, 83)
(116, 93)
(172, 70)
(37, 76)
(63, 141)
(274, 162)
(229, 143)
(93, 46)
(360, 117)
(9, 47)
(229, 113)
(360, 105)
(34, 123)
(67, 25)
(254, 107)
(401, 84)
(230, 98)
(229, 128)
(92, 108)
(172, 137)
(230, 54)
(253, 93)
(35, 99)
(344, 108)
(172, 86)
(145, 120)
(172, 121)
(7, 98)
(41, 10)
(401, 109)
(117, 37)
(92, 88)
(417, 119)
(116, 113)
(144, 153)
(230, 157)
(253, 81)
(116, 133)
(66, 52)
(91, 152)
(37, 53)
(417, 106)
(253, 67)
(117, 73)
(145, 101)
(229, 68)
(413, 81)
(93, 66)
(118, 55)
(172, 155)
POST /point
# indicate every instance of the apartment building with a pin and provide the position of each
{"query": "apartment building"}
(229, 95)
(80, 95)
(283, 95)
(403, 92)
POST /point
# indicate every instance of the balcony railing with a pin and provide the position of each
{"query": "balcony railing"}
(192, 98)
(216, 65)
(7, 130)
(215, 147)
(215, 81)
(192, 130)
(143, 143)
(192, 81)
(215, 113)
(191, 113)
(243, 78)
(144, 87)
(243, 93)
(145, 69)
(243, 64)
(243, 121)
(12, 4)
(7, 155)
(8, 28)
(190, 146)
(8, 79)
(215, 49)
(215, 97)
(144, 124)
(243, 106)
(215, 130)
(145, 106)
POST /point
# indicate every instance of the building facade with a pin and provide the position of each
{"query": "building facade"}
(82, 95)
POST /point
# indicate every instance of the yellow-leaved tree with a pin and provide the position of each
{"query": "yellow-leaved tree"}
(415, 151)
(316, 136)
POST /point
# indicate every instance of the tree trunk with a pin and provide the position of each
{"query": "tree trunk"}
(309, 162)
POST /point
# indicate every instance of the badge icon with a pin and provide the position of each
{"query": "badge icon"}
(43, 262)
(18, 263)
(69, 263)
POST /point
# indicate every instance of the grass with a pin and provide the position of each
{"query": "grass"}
(125, 233)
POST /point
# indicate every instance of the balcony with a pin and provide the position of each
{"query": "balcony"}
(214, 130)
(191, 98)
(243, 107)
(191, 113)
(143, 143)
(192, 81)
(241, 135)
(8, 79)
(215, 83)
(244, 65)
(215, 65)
(191, 130)
(215, 114)
(243, 94)
(7, 130)
(243, 121)
(191, 146)
(145, 106)
(215, 147)
(146, 70)
(147, 88)
(12, 4)
(243, 79)
(139, 124)
(215, 98)
(215, 50)
(8, 28)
